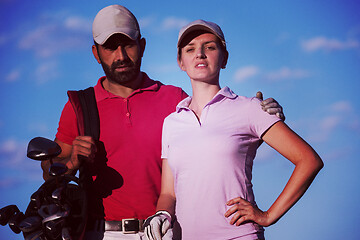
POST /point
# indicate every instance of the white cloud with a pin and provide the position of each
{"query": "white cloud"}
(244, 73)
(341, 116)
(283, 37)
(342, 106)
(13, 76)
(330, 123)
(39, 128)
(167, 24)
(326, 44)
(341, 152)
(13, 159)
(56, 36)
(41, 40)
(12, 152)
(286, 73)
(146, 22)
(46, 72)
(355, 125)
(8, 183)
(345, 111)
(171, 23)
(321, 130)
(167, 68)
(3, 39)
(8, 146)
(78, 24)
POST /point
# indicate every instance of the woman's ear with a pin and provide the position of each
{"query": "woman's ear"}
(180, 64)
(226, 56)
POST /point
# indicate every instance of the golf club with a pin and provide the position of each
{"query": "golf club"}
(6, 213)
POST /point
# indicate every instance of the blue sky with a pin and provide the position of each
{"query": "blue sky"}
(305, 54)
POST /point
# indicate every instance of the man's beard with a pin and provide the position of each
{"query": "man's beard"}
(122, 77)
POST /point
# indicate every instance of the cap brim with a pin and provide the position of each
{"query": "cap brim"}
(103, 37)
(196, 27)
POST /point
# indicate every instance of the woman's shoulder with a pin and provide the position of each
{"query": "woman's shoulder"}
(227, 92)
(248, 102)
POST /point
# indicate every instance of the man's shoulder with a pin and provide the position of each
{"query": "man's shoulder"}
(169, 87)
(173, 92)
(160, 85)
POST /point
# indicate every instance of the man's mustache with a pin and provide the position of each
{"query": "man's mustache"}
(124, 63)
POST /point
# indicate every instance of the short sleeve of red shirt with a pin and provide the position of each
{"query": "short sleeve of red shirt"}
(67, 130)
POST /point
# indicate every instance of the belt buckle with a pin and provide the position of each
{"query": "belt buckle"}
(130, 225)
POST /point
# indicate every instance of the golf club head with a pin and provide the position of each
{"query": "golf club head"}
(65, 234)
(6, 213)
(58, 215)
(38, 235)
(48, 210)
(57, 169)
(53, 229)
(30, 224)
(41, 149)
(37, 197)
(58, 193)
(14, 222)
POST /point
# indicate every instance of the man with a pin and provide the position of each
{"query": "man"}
(126, 162)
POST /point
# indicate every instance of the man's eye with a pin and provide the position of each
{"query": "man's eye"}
(110, 47)
(128, 46)
(189, 50)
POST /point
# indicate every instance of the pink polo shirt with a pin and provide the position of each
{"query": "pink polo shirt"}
(212, 160)
(128, 182)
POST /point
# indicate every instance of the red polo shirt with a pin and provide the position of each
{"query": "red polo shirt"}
(128, 181)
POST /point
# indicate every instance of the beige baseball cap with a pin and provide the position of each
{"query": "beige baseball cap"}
(114, 19)
(201, 25)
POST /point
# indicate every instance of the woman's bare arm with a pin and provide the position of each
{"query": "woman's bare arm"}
(167, 199)
(307, 164)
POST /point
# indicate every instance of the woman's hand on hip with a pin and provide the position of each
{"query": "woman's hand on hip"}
(243, 211)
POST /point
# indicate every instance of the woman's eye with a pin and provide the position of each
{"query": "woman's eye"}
(189, 50)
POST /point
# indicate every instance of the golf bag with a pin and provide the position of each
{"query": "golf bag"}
(61, 205)
(58, 209)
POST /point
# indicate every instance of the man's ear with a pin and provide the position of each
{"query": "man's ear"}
(96, 53)
(142, 46)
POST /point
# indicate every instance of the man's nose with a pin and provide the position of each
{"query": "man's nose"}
(120, 54)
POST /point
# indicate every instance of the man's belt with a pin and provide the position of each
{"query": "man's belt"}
(129, 225)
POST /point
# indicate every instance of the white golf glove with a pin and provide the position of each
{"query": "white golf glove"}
(158, 226)
(271, 106)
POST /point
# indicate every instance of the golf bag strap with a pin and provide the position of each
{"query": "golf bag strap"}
(86, 111)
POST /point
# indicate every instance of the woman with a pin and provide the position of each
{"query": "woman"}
(209, 144)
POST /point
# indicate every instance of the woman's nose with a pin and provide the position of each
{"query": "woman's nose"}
(200, 53)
